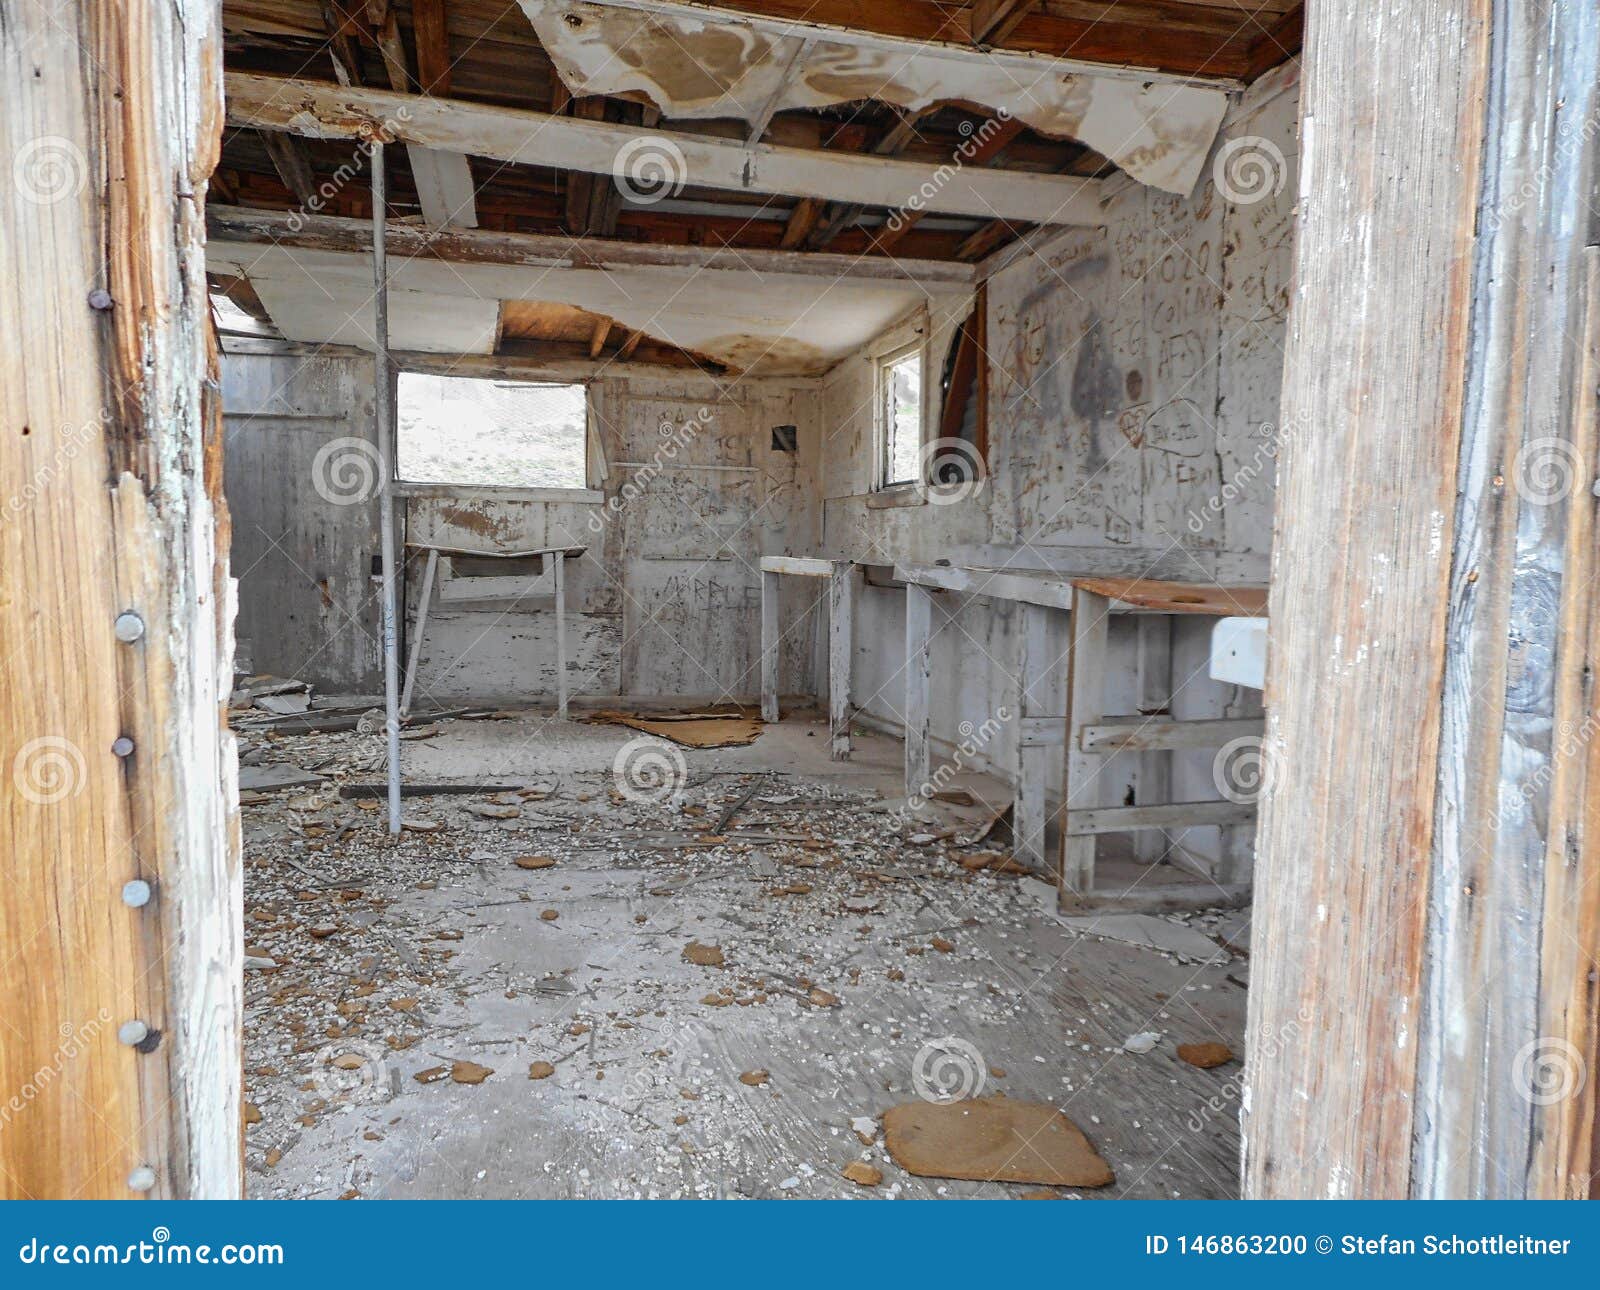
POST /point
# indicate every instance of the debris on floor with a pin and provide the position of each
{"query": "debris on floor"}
(708, 1014)
(993, 1139)
(691, 729)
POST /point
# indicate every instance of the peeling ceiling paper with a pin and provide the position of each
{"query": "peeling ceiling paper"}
(766, 324)
(1158, 132)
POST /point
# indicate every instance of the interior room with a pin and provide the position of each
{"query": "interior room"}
(795, 601)
(737, 538)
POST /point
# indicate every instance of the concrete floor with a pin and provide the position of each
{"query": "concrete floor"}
(374, 962)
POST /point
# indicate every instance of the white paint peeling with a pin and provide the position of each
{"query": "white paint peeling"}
(1158, 132)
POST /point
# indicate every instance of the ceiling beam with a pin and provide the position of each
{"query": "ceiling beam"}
(443, 179)
(326, 111)
(481, 246)
(993, 21)
(292, 163)
(1278, 43)
(433, 46)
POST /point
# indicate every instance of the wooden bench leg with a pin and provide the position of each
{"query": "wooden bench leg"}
(769, 646)
(1086, 687)
(841, 621)
(1154, 697)
(1028, 814)
(561, 634)
(422, 623)
(919, 633)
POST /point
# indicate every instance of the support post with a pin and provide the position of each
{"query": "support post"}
(919, 636)
(1086, 699)
(384, 415)
(561, 633)
(1028, 815)
(841, 629)
(769, 646)
(118, 785)
(1424, 949)
(1154, 698)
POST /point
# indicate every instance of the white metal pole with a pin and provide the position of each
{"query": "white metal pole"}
(384, 405)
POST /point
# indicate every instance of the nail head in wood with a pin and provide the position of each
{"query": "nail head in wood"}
(142, 1179)
(136, 893)
(122, 746)
(133, 1033)
(100, 299)
(129, 627)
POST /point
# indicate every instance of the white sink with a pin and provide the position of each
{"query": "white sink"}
(1239, 651)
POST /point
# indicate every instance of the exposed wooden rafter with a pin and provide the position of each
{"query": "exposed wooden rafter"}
(992, 21)
(480, 246)
(322, 110)
(292, 164)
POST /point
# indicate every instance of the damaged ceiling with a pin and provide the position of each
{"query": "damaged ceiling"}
(693, 66)
(761, 323)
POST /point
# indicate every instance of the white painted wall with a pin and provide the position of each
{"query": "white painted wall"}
(1135, 373)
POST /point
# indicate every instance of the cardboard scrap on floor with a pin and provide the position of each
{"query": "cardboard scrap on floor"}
(691, 729)
(993, 1139)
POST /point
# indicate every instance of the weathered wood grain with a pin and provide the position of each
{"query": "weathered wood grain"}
(1502, 1078)
(1373, 391)
(110, 459)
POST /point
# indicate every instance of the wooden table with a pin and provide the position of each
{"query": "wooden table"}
(1091, 734)
(842, 576)
(1077, 720)
(559, 555)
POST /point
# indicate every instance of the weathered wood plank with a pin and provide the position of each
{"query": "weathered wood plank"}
(1153, 695)
(119, 767)
(770, 587)
(322, 111)
(841, 642)
(919, 638)
(1034, 661)
(1153, 734)
(1373, 392)
(1088, 821)
(1502, 1084)
(1086, 697)
(485, 246)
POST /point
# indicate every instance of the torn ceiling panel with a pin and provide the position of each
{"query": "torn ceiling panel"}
(690, 65)
(762, 323)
